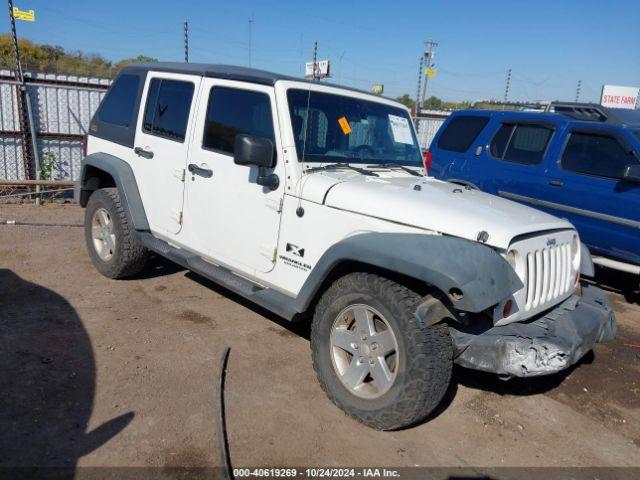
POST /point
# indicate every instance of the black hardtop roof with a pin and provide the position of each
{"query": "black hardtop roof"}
(228, 72)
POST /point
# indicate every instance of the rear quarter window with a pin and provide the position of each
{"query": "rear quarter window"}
(461, 132)
(117, 107)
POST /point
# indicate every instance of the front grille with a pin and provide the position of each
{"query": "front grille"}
(548, 274)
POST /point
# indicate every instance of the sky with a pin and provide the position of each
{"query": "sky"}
(549, 45)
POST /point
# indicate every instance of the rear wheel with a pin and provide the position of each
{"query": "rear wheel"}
(373, 358)
(112, 246)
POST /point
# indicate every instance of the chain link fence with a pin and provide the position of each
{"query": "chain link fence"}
(62, 109)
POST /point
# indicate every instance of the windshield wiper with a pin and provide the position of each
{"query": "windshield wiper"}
(396, 165)
(330, 166)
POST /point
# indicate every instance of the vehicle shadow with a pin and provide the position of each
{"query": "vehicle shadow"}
(48, 377)
(157, 266)
(301, 328)
(626, 284)
(515, 386)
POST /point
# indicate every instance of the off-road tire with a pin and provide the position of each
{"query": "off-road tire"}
(424, 369)
(130, 255)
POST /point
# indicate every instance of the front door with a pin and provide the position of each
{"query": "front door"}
(161, 147)
(229, 217)
(587, 186)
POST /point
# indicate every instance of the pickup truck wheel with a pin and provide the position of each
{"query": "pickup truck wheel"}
(113, 248)
(373, 358)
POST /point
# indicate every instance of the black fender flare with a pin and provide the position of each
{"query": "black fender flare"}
(125, 181)
(453, 265)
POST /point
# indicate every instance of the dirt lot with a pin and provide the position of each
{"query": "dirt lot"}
(98, 372)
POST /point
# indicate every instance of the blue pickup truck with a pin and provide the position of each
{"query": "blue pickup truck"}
(579, 161)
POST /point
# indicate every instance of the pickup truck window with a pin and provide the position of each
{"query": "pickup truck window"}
(338, 128)
(117, 108)
(232, 111)
(167, 110)
(597, 155)
(461, 132)
(520, 143)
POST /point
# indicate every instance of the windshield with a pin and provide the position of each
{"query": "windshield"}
(337, 128)
(637, 134)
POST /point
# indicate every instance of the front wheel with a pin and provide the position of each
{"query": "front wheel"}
(373, 358)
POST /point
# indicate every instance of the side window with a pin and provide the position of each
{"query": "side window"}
(499, 142)
(599, 155)
(167, 111)
(232, 111)
(460, 133)
(520, 143)
(117, 108)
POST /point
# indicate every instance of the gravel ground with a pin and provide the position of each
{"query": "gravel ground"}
(97, 372)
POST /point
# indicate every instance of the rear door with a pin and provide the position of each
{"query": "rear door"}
(586, 186)
(162, 146)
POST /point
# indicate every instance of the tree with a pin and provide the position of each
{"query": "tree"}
(127, 61)
(432, 103)
(50, 58)
(406, 100)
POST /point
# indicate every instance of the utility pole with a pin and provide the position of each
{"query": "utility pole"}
(428, 63)
(506, 87)
(29, 143)
(315, 61)
(419, 84)
(578, 91)
(250, 35)
(186, 42)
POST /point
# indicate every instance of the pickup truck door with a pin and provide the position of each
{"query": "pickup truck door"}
(229, 217)
(161, 147)
(586, 186)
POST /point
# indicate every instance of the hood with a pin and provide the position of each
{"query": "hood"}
(429, 204)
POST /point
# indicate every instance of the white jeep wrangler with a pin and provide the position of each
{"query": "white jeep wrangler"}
(313, 202)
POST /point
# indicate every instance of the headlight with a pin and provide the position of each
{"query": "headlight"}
(511, 258)
(575, 252)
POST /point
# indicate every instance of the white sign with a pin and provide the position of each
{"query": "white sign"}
(323, 69)
(614, 96)
(400, 130)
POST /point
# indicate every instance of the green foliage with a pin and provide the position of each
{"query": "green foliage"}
(406, 100)
(50, 58)
(47, 164)
(434, 103)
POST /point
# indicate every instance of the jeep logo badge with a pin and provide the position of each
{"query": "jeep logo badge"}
(551, 241)
(295, 250)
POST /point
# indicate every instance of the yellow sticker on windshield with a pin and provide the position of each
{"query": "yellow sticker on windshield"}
(344, 125)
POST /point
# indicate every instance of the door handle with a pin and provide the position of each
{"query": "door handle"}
(203, 172)
(556, 183)
(141, 152)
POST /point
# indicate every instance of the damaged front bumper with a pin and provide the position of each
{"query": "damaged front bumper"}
(544, 345)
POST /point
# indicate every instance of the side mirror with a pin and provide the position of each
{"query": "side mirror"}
(632, 173)
(254, 151)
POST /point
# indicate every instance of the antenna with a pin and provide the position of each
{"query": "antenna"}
(186, 42)
(250, 35)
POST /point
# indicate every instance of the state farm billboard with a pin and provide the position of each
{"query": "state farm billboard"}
(614, 96)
